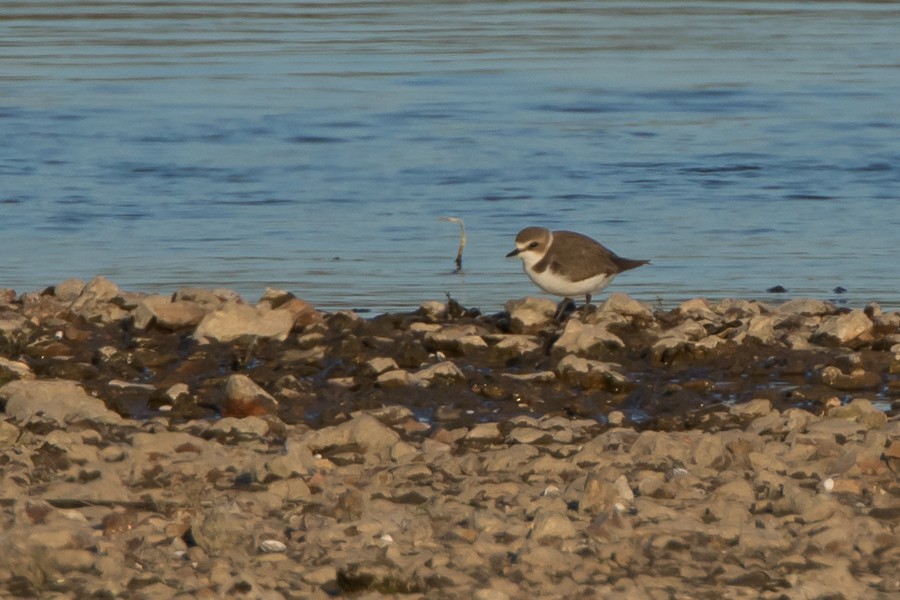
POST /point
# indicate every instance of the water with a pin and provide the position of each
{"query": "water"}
(313, 146)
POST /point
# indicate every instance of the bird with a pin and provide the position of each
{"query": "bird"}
(568, 264)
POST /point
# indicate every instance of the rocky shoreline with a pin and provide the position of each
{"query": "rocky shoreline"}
(198, 446)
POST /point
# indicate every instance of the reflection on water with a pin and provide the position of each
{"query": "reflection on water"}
(313, 146)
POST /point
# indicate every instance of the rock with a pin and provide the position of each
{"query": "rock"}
(69, 290)
(222, 529)
(107, 489)
(739, 490)
(13, 369)
(861, 411)
(592, 341)
(616, 418)
(304, 313)
(491, 594)
(507, 459)
(538, 377)
(444, 372)
(841, 329)
(381, 364)
(9, 433)
(392, 414)
(274, 298)
(834, 429)
(243, 398)
(247, 426)
(46, 551)
(210, 300)
(682, 338)
(393, 379)
(513, 346)
(688, 330)
(606, 490)
(95, 303)
(162, 312)
(733, 308)
(552, 525)
(803, 306)
(177, 392)
(668, 347)
(13, 325)
(237, 320)
(433, 310)
(364, 430)
(754, 408)
(381, 577)
(484, 432)
(698, 309)
(295, 460)
(796, 419)
(62, 402)
(661, 449)
(857, 380)
(529, 435)
(627, 306)
(270, 546)
(458, 339)
(530, 315)
(709, 452)
(592, 374)
(762, 329)
(834, 580)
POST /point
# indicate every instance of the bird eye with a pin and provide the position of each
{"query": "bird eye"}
(533, 245)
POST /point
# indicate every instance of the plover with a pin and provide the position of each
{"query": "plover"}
(568, 264)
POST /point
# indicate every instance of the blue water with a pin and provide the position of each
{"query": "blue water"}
(313, 146)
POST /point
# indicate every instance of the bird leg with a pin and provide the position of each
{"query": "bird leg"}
(561, 309)
(587, 304)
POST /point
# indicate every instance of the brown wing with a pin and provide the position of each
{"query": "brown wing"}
(587, 257)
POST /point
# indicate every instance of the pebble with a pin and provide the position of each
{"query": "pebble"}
(269, 546)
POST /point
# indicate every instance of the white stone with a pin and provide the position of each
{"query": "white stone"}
(270, 546)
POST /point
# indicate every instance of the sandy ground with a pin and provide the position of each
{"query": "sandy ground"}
(198, 446)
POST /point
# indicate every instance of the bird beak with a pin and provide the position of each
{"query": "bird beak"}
(513, 253)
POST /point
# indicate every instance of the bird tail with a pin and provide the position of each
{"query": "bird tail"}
(626, 264)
